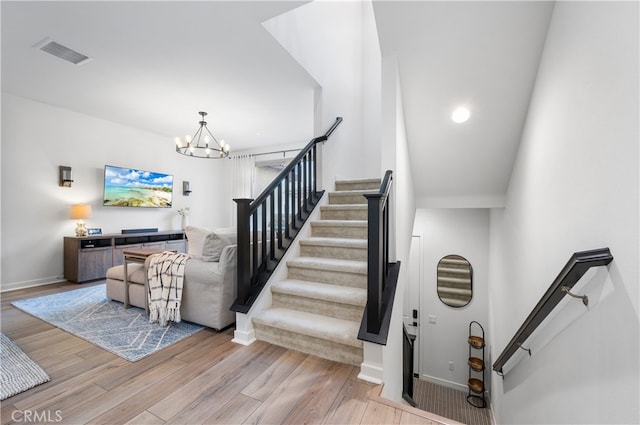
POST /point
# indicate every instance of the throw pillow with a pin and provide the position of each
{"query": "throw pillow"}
(215, 241)
(195, 237)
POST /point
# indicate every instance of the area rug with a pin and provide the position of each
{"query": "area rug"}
(18, 372)
(90, 315)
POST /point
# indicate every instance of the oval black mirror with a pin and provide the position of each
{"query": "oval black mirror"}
(454, 278)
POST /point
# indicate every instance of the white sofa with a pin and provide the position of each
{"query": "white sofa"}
(209, 287)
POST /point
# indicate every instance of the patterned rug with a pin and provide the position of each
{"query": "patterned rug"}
(90, 315)
(18, 372)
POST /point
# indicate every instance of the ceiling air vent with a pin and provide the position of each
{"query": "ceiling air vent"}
(63, 52)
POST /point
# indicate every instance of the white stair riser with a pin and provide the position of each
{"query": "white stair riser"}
(310, 345)
(343, 214)
(313, 305)
(345, 253)
(339, 232)
(356, 280)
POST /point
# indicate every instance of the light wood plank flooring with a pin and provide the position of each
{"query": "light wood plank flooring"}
(204, 379)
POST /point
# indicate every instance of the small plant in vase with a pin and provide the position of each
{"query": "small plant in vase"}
(184, 213)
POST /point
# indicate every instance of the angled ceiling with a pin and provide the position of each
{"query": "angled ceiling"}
(483, 55)
(157, 64)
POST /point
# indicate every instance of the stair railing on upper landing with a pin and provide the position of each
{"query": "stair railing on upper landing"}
(382, 276)
(268, 224)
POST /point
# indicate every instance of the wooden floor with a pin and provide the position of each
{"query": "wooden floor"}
(205, 378)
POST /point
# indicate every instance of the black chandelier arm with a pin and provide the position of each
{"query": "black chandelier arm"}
(219, 148)
(195, 147)
(195, 140)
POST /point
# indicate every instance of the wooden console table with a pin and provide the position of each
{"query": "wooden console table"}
(138, 256)
(89, 257)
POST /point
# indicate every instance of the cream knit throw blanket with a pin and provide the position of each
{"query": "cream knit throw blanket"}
(165, 274)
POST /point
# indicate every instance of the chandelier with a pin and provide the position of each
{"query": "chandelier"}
(203, 144)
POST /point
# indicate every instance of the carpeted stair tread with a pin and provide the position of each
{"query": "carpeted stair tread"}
(322, 291)
(340, 223)
(353, 192)
(349, 197)
(335, 242)
(374, 180)
(330, 246)
(329, 264)
(344, 207)
(314, 325)
(344, 212)
(373, 183)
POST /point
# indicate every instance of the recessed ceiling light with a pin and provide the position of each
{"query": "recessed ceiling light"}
(460, 115)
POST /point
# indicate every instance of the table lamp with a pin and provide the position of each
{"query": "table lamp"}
(80, 212)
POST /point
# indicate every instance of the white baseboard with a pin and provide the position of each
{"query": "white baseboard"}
(30, 283)
(445, 383)
(370, 373)
(244, 338)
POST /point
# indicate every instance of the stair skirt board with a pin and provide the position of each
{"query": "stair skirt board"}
(316, 306)
(310, 345)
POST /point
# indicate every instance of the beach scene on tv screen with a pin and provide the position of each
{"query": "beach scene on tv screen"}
(127, 187)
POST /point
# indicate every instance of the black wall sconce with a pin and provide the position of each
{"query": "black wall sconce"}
(64, 177)
(186, 188)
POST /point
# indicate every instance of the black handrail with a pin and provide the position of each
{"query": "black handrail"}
(575, 268)
(268, 224)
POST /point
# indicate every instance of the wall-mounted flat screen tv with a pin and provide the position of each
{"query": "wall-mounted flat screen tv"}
(128, 187)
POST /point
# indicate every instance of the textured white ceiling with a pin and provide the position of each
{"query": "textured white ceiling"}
(156, 64)
(481, 54)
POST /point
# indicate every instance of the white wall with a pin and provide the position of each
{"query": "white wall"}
(37, 138)
(371, 94)
(396, 157)
(336, 43)
(462, 232)
(574, 187)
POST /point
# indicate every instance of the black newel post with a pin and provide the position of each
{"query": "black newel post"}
(244, 252)
(374, 266)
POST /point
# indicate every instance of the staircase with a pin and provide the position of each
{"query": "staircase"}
(318, 308)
